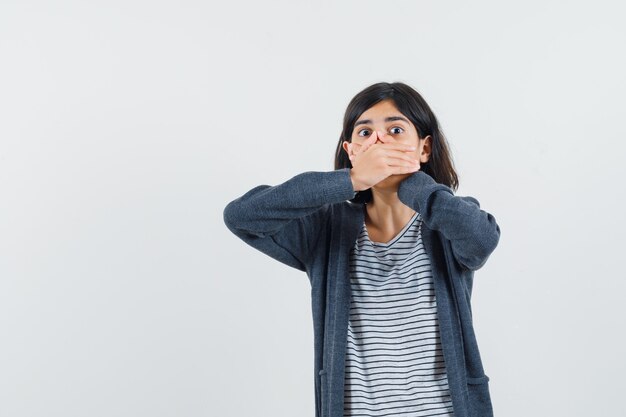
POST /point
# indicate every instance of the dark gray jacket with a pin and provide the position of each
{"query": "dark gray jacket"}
(308, 223)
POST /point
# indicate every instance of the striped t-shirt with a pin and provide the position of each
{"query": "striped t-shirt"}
(394, 362)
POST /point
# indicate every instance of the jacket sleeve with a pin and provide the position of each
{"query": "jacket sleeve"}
(472, 232)
(283, 221)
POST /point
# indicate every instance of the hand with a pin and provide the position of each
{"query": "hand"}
(372, 162)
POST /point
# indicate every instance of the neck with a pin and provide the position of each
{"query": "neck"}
(386, 211)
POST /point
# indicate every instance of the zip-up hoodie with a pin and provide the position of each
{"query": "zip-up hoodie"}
(310, 223)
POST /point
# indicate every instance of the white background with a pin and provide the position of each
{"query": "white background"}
(126, 127)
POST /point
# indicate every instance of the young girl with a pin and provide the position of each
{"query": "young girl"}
(390, 252)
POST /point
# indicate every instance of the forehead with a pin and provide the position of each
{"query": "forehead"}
(382, 112)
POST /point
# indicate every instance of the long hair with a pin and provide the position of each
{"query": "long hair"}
(412, 105)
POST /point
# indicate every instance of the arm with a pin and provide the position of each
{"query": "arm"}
(472, 232)
(283, 221)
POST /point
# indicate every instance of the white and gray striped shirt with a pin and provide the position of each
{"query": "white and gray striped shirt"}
(394, 362)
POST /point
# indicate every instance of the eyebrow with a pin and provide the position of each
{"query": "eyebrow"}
(388, 119)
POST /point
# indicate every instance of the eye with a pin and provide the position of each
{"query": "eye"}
(367, 130)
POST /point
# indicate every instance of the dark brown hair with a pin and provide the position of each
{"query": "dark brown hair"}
(412, 105)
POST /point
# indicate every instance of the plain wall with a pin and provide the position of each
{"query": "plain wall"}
(127, 126)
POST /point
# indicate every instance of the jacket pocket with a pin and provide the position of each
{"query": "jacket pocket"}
(479, 396)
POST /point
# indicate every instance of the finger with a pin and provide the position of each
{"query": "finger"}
(397, 150)
(395, 170)
(369, 142)
(398, 146)
(401, 160)
(372, 139)
(401, 166)
(364, 148)
(359, 149)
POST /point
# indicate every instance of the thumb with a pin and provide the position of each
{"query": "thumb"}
(369, 142)
(374, 137)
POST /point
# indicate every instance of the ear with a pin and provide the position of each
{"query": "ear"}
(426, 149)
(345, 146)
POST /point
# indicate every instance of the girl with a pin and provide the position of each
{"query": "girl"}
(390, 252)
